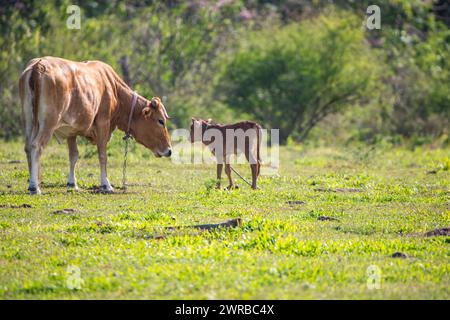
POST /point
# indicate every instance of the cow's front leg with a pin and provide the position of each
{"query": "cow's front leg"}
(102, 157)
(73, 157)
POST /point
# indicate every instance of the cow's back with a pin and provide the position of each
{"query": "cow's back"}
(73, 94)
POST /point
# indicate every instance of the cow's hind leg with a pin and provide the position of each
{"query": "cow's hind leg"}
(102, 134)
(28, 153)
(73, 157)
(36, 147)
(27, 115)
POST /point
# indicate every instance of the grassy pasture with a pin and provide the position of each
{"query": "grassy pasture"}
(384, 199)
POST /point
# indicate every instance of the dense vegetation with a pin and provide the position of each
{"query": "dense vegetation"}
(302, 67)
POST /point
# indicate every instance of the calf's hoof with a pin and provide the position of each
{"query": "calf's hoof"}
(34, 190)
(72, 187)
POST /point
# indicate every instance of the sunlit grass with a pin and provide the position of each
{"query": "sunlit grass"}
(383, 200)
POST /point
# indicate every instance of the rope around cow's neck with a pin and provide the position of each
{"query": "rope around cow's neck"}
(126, 137)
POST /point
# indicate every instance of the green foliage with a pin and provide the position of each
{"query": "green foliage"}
(291, 77)
(420, 82)
(293, 65)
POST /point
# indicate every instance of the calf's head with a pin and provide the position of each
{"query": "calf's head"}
(198, 128)
(150, 129)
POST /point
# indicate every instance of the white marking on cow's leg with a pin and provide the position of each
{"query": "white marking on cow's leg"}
(73, 157)
(104, 182)
(46, 129)
(35, 154)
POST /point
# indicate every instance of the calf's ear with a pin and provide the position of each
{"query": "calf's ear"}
(146, 112)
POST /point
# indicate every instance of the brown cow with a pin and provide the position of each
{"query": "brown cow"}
(226, 140)
(69, 99)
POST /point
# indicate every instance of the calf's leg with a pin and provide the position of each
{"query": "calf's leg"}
(254, 168)
(28, 153)
(228, 172)
(258, 166)
(219, 174)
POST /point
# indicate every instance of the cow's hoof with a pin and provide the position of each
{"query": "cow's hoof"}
(34, 190)
(72, 187)
(230, 187)
(106, 189)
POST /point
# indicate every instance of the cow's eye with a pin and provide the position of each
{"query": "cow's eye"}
(161, 122)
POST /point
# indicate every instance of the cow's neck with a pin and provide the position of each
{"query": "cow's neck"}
(125, 99)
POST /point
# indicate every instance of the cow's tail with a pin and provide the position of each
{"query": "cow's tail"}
(34, 84)
(29, 86)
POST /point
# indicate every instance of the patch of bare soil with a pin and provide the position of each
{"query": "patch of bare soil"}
(233, 223)
(399, 255)
(438, 232)
(14, 206)
(338, 190)
(65, 211)
(326, 218)
(295, 202)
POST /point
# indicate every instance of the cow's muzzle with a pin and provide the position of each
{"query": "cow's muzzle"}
(167, 153)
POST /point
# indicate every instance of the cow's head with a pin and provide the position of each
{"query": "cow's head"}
(198, 128)
(150, 129)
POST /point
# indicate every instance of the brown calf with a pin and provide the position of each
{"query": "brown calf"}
(226, 140)
(69, 99)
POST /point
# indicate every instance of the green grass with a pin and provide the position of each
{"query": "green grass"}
(281, 252)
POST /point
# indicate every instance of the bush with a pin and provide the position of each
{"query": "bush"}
(291, 77)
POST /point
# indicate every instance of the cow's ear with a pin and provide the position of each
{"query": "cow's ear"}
(154, 103)
(146, 112)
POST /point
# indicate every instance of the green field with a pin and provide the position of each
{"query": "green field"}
(383, 198)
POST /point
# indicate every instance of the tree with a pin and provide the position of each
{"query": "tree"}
(291, 77)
